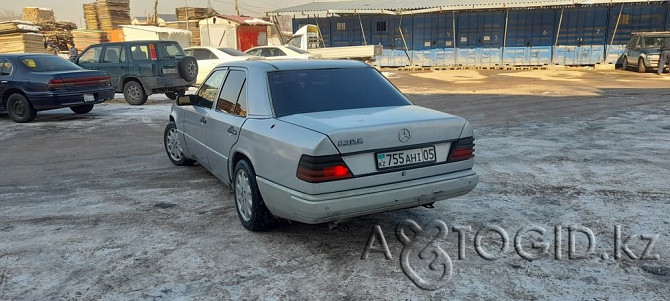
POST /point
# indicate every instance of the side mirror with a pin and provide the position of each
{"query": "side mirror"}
(186, 100)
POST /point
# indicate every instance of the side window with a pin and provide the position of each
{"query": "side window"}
(92, 55)
(112, 54)
(256, 52)
(139, 52)
(5, 67)
(278, 52)
(638, 42)
(231, 93)
(202, 54)
(210, 89)
(241, 107)
(188, 52)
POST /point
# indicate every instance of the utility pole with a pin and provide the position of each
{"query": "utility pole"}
(237, 8)
(186, 13)
(155, 20)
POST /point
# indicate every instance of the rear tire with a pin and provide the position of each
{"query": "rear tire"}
(20, 109)
(641, 68)
(82, 109)
(251, 209)
(134, 93)
(173, 147)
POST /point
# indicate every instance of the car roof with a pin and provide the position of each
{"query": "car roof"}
(135, 42)
(17, 55)
(285, 65)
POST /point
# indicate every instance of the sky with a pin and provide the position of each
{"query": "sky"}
(71, 10)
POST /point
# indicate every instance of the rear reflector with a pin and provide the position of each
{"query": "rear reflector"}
(322, 169)
(462, 149)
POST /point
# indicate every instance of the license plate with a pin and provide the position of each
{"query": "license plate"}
(406, 157)
(89, 98)
(169, 71)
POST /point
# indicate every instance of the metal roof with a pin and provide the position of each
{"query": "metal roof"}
(402, 7)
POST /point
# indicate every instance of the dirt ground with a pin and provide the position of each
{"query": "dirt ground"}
(91, 208)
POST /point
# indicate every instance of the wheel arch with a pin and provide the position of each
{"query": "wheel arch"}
(238, 156)
(5, 96)
(135, 79)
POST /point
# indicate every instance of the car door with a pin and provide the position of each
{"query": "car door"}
(90, 58)
(635, 51)
(225, 122)
(196, 116)
(6, 75)
(114, 62)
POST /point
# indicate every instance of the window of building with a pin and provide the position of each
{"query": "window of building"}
(381, 26)
(341, 26)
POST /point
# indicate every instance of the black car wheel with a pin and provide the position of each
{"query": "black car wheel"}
(251, 208)
(173, 147)
(134, 93)
(640, 66)
(188, 68)
(20, 109)
(83, 109)
(624, 64)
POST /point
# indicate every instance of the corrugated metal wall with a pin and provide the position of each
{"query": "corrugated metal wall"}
(533, 36)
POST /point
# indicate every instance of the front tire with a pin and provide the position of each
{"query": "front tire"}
(641, 68)
(251, 209)
(20, 109)
(173, 147)
(83, 109)
(624, 64)
(134, 93)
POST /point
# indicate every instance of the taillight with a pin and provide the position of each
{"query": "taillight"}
(462, 149)
(56, 84)
(152, 52)
(322, 169)
(106, 81)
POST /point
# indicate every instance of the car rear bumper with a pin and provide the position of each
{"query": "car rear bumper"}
(61, 99)
(314, 209)
(164, 84)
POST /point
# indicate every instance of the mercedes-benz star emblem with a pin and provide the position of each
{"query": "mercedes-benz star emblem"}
(404, 135)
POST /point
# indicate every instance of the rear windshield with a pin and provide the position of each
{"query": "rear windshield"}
(233, 52)
(170, 50)
(48, 63)
(296, 49)
(307, 91)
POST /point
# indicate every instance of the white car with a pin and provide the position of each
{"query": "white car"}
(281, 52)
(319, 140)
(210, 57)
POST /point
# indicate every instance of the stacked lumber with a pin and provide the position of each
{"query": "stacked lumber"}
(39, 15)
(20, 37)
(91, 16)
(85, 38)
(192, 13)
(191, 26)
(113, 13)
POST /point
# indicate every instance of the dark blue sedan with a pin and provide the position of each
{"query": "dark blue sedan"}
(38, 82)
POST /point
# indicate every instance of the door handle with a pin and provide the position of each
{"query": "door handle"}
(124, 67)
(203, 120)
(232, 131)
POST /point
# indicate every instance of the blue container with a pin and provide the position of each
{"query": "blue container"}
(480, 37)
(530, 37)
(582, 36)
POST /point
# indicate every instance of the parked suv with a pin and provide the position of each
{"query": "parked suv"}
(141, 68)
(643, 50)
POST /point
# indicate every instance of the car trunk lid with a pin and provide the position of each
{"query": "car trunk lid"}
(78, 80)
(376, 129)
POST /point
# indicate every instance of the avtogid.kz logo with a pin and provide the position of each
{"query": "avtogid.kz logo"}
(422, 246)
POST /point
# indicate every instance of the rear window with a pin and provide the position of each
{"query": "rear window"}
(296, 49)
(170, 50)
(307, 91)
(48, 63)
(233, 52)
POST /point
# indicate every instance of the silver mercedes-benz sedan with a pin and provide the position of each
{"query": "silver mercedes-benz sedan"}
(317, 141)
